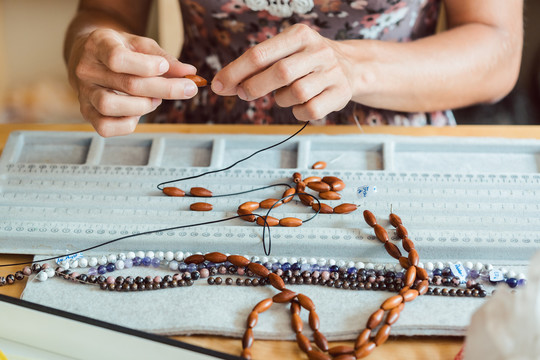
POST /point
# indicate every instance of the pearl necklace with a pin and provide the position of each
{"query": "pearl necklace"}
(281, 8)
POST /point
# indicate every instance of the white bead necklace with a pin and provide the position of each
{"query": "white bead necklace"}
(281, 8)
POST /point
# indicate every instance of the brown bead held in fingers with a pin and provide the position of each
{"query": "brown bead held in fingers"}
(319, 165)
(407, 244)
(317, 355)
(215, 257)
(284, 297)
(246, 215)
(247, 340)
(320, 340)
(410, 276)
(395, 220)
(375, 319)
(258, 269)
(287, 195)
(276, 281)
(382, 335)
(340, 350)
(314, 321)
(238, 260)
(303, 342)
(392, 302)
(249, 206)
(306, 302)
(325, 208)
(370, 218)
(318, 186)
(200, 192)
(268, 203)
(297, 177)
(393, 315)
(345, 208)
(413, 257)
(252, 319)
(198, 80)
(263, 305)
(362, 338)
(173, 191)
(200, 206)
(296, 323)
(381, 233)
(312, 179)
(392, 250)
(290, 222)
(330, 195)
(270, 221)
(365, 350)
(194, 259)
(401, 232)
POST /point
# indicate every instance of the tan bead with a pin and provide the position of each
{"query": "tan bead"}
(246, 215)
(284, 297)
(297, 177)
(249, 206)
(268, 203)
(330, 195)
(290, 222)
(404, 262)
(345, 357)
(296, 323)
(421, 273)
(258, 269)
(392, 250)
(395, 220)
(423, 287)
(381, 233)
(200, 192)
(306, 199)
(410, 276)
(365, 350)
(252, 319)
(317, 355)
(246, 354)
(215, 257)
(340, 350)
(401, 232)
(270, 221)
(238, 260)
(312, 179)
(382, 335)
(408, 245)
(173, 191)
(345, 208)
(413, 257)
(392, 302)
(198, 80)
(370, 219)
(300, 187)
(319, 165)
(303, 342)
(362, 338)
(320, 340)
(194, 259)
(276, 281)
(375, 319)
(335, 183)
(318, 186)
(201, 206)
(287, 195)
(247, 340)
(263, 305)
(325, 209)
(410, 295)
(314, 321)
(306, 302)
(295, 307)
(393, 315)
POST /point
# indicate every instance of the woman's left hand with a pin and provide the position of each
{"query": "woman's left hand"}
(307, 72)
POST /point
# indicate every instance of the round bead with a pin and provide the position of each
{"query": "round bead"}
(49, 272)
(321, 262)
(468, 265)
(204, 273)
(359, 265)
(42, 276)
(312, 261)
(160, 255)
(111, 267)
(512, 282)
(178, 256)
(74, 263)
(173, 265)
(128, 263)
(102, 260)
(169, 256)
(430, 266)
(102, 269)
(140, 254)
(147, 261)
(130, 255)
(521, 276)
(121, 256)
(120, 264)
(187, 254)
(511, 274)
(93, 261)
(112, 258)
(439, 265)
(156, 262)
(478, 266)
(83, 262)
(488, 267)
(370, 266)
(150, 254)
(64, 264)
(331, 262)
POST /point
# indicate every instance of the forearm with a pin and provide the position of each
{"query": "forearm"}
(468, 64)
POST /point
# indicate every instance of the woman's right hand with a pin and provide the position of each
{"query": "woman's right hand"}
(119, 77)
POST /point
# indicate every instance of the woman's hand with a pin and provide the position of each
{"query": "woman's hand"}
(307, 71)
(119, 77)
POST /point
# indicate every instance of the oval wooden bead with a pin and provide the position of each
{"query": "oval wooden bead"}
(395, 220)
(362, 338)
(320, 340)
(270, 221)
(215, 257)
(393, 315)
(340, 350)
(295, 307)
(288, 195)
(375, 319)
(249, 206)
(314, 321)
(296, 323)
(365, 350)
(410, 276)
(335, 183)
(317, 355)
(392, 250)
(263, 305)
(284, 297)
(421, 273)
(198, 80)
(258, 269)
(410, 295)
(290, 222)
(201, 206)
(404, 290)
(392, 302)
(268, 203)
(246, 215)
(408, 245)
(276, 281)
(370, 219)
(200, 192)
(382, 335)
(300, 187)
(381, 233)
(252, 319)
(312, 179)
(306, 199)
(401, 232)
(247, 340)
(413, 257)
(404, 262)
(319, 165)
(345, 208)
(318, 186)
(423, 287)
(325, 209)
(330, 195)
(246, 354)
(238, 260)
(173, 191)
(297, 177)
(303, 342)
(345, 357)
(306, 302)
(194, 259)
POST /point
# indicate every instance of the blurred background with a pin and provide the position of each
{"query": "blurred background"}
(34, 86)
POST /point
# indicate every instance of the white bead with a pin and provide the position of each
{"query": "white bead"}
(421, 265)
(264, 259)
(50, 272)
(379, 267)
(178, 256)
(331, 262)
(350, 264)
(302, 260)
(488, 267)
(120, 264)
(429, 266)
(469, 264)
(340, 263)
(83, 262)
(140, 254)
(173, 265)
(293, 260)
(254, 258)
(521, 276)
(511, 274)
(370, 266)
(321, 262)
(187, 254)
(42, 276)
(312, 261)
(360, 265)
(398, 268)
(283, 260)
(439, 265)
(478, 266)
(150, 254)
(389, 267)
(272, 260)
(74, 263)
(93, 261)
(169, 256)
(121, 256)
(160, 255)
(112, 258)
(64, 264)
(102, 260)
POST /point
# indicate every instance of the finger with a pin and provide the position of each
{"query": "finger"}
(109, 103)
(108, 126)
(300, 91)
(321, 105)
(260, 57)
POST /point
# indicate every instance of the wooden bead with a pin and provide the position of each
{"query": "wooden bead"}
(249, 206)
(330, 195)
(284, 297)
(297, 177)
(216, 257)
(287, 195)
(303, 342)
(252, 319)
(407, 243)
(375, 319)
(365, 350)
(194, 259)
(395, 220)
(413, 257)
(317, 355)
(392, 250)
(295, 307)
(173, 191)
(382, 335)
(320, 340)
(268, 203)
(381, 233)
(258, 269)
(340, 350)
(410, 276)
(319, 165)
(306, 302)
(345, 208)
(201, 206)
(238, 260)
(200, 192)
(362, 338)
(247, 340)
(246, 354)
(318, 186)
(423, 287)
(421, 273)
(404, 262)
(370, 219)
(246, 215)
(276, 281)
(345, 357)
(401, 232)
(290, 222)
(410, 295)
(335, 183)
(198, 80)
(392, 302)
(312, 179)
(296, 323)
(325, 209)
(306, 199)
(314, 321)
(393, 315)
(270, 221)
(263, 305)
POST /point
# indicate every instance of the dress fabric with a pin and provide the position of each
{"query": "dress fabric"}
(218, 31)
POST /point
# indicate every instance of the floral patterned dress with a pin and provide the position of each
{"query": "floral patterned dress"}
(219, 31)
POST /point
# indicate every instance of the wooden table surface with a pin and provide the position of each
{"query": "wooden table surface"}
(397, 348)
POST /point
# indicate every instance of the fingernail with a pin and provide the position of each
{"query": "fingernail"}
(163, 66)
(156, 103)
(241, 94)
(190, 90)
(217, 86)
